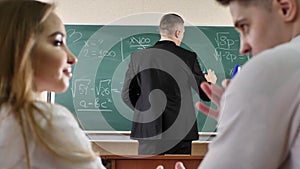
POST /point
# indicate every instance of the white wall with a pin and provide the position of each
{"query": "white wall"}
(195, 12)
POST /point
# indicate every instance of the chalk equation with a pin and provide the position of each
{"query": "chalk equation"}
(227, 48)
(140, 42)
(73, 35)
(82, 91)
(93, 48)
(135, 43)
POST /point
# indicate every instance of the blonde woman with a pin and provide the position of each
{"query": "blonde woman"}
(34, 58)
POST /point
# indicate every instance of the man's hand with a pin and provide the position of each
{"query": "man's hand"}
(178, 165)
(210, 76)
(214, 92)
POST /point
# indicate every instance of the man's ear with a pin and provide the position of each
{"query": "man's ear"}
(177, 33)
(288, 9)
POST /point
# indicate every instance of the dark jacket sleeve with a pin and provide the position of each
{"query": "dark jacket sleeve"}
(199, 77)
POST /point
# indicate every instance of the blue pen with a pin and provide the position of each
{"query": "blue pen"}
(235, 70)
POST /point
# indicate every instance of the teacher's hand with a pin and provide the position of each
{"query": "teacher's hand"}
(210, 76)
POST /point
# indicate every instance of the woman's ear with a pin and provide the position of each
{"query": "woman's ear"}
(288, 9)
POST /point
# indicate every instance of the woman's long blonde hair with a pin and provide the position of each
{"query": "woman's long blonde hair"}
(20, 22)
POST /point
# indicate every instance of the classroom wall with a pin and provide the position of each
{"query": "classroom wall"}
(195, 12)
(104, 12)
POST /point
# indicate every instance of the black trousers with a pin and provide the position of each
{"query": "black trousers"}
(161, 147)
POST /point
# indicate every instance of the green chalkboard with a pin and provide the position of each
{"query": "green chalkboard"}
(94, 96)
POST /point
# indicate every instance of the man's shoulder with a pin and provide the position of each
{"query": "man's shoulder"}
(160, 48)
(289, 50)
(178, 50)
(276, 59)
(186, 51)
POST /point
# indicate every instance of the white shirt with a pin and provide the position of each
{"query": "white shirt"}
(12, 151)
(259, 126)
